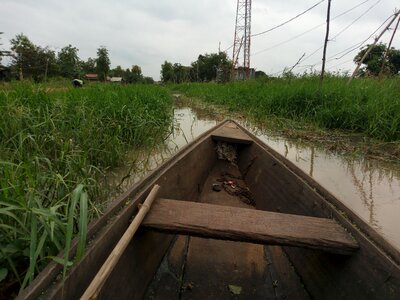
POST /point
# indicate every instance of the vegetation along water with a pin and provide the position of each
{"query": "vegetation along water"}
(55, 147)
(366, 105)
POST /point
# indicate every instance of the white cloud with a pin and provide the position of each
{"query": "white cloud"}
(148, 32)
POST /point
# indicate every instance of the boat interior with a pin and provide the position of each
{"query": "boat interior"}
(204, 268)
(233, 220)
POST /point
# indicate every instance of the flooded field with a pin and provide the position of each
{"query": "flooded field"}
(371, 188)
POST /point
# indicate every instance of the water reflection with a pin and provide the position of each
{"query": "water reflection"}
(370, 188)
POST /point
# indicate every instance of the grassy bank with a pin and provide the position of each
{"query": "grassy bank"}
(365, 106)
(55, 146)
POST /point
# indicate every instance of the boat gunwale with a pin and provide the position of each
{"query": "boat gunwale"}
(347, 217)
(98, 227)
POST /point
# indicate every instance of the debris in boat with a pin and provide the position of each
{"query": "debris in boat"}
(234, 289)
(227, 152)
(232, 187)
(188, 286)
(231, 183)
(216, 187)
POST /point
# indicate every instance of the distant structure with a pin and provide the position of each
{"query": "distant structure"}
(115, 79)
(91, 77)
(241, 44)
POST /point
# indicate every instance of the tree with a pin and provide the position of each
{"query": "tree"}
(4, 71)
(128, 76)
(260, 74)
(148, 80)
(88, 66)
(181, 73)
(102, 63)
(206, 66)
(31, 61)
(2, 52)
(24, 53)
(167, 72)
(136, 74)
(117, 72)
(68, 62)
(373, 62)
(46, 64)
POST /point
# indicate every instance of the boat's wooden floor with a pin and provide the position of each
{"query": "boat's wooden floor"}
(198, 268)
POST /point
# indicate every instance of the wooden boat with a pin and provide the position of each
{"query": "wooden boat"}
(234, 219)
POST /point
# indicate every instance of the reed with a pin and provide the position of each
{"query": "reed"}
(55, 148)
(366, 106)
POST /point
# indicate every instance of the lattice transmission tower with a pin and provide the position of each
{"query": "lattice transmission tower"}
(242, 39)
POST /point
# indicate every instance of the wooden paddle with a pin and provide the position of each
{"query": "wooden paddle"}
(97, 283)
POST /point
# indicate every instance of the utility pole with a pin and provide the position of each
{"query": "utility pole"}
(328, 17)
(47, 67)
(371, 46)
(388, 48)
(242, 39)
(294, 66)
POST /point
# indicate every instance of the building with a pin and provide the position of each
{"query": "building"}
(241, 74)
(116, 79)
(5, 73)
(92, 77)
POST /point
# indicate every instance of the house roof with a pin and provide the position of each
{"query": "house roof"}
(91, 76)
(116, 79)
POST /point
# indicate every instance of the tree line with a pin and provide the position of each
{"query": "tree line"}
(380, 60)
(30, 61)
(207, 67)
(218, 67)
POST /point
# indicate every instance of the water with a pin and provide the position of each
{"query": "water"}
(370, 188)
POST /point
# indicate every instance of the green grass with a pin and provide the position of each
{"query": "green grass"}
(55, 148)
(366, 106)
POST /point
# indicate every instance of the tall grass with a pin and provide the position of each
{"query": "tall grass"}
(54, 149)
(368, 106)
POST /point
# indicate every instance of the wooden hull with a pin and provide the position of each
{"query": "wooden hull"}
(160, 265)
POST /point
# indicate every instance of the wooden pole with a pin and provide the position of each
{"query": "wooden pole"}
(95, 286)
(388, 48)
(371, 46)
(45, 72)
(328, 16)
(294, 66)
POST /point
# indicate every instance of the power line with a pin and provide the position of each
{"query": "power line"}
(360, 44)
(309, 30)
(344, 29)
(396, 14)
(345, 51)
(282, 24)
(351, 48)
(342, 63)
(358, 18)
(288, 21)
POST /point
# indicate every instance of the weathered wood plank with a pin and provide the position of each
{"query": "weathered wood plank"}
(231, 133)
(248, 225)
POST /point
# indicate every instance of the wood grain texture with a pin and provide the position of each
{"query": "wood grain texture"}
(232, 134)
(248, 225)
(111, 226)
(95, 286)
(278, 185)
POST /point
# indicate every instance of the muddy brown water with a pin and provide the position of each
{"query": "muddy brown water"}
(369, 187)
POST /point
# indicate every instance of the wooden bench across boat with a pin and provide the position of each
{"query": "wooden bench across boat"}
(251, 226)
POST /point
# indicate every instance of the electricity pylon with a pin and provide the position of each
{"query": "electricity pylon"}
(242, 39)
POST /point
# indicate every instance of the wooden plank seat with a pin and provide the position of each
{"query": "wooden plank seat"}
(231, 133)
(249, 225)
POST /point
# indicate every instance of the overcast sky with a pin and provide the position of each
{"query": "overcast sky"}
(149, 32)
